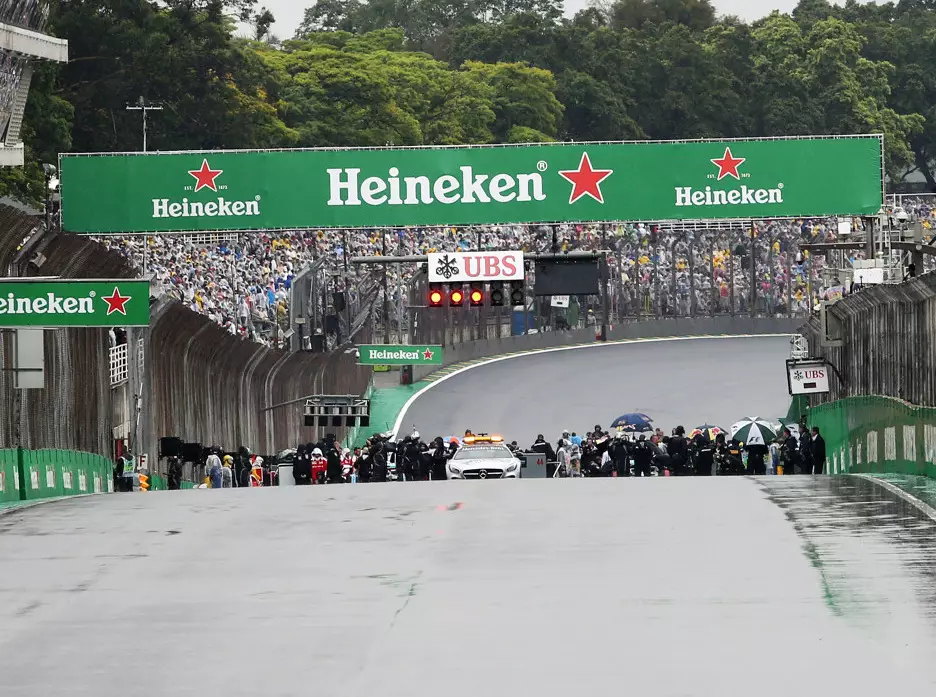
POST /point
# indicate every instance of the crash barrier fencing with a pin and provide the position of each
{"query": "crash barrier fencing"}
(888, 342)
(877, 435)
(29, 475)
(192, 380)
(634, 329)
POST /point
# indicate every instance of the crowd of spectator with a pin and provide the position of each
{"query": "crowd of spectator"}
(242, 281)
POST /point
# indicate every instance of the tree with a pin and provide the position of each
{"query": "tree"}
(637, 14)
(524, 96)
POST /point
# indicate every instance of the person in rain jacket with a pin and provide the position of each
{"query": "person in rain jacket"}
(302, 472)
(347, 464)
(242, 467)
(319, 466)
(563, 459)
(227, 473)
(256, 472)
(211, 462)
(214, 470)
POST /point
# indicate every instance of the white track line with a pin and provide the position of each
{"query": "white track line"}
(905, 495)
(532, 352)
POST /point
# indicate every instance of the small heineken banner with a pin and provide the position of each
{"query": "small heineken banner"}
(395, 354)
(69, 303)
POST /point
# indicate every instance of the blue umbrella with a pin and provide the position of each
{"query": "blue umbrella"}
(633, 422)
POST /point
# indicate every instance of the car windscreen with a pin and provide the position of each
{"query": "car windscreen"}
(482, 452)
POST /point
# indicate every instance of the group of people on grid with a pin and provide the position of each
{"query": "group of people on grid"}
(624, 454)
(381, 459)
(226, 471)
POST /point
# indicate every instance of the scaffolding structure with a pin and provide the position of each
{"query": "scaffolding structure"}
(22, 43)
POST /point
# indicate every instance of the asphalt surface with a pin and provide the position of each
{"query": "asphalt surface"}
(687, 382)
(660, 587)
(671, 587)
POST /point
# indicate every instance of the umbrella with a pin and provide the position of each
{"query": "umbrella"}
(753, 431)
(633, 422)
(706, 430)
(791, 424)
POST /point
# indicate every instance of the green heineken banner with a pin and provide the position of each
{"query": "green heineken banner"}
(283, 189)
(68, 303)
(394, 354)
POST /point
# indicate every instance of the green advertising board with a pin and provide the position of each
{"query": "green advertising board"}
(578, 182)
(68, 303)
(395, 354)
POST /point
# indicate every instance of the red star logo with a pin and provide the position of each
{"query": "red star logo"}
(728, 165)
(427, 355)
(205, 177)
(586, 180)
(116, 302)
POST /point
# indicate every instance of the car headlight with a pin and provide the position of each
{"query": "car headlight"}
(454, 468)
(512, 466)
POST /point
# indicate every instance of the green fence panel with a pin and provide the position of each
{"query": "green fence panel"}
(69, 472)
(109, 479)
(50, 472)
(9, 477)
(877, 435)
(84, 476)
(33, 478)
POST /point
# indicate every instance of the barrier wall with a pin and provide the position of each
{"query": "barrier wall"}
(198, 382)
(874, 434)
(889, 334)
(28, 475)
(639, 329)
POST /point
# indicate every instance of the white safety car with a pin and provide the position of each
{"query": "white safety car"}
(483, 457)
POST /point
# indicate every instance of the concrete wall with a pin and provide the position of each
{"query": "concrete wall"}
(642, 329)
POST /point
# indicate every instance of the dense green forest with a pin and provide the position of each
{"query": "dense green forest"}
(408, 72)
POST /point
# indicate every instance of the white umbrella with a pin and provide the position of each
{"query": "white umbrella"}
(753, 430)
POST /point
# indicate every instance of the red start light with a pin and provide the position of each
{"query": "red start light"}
(435, 297)
(476, 296)
(457, 296)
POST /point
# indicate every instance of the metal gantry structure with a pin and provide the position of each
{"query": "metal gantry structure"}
(22, 44)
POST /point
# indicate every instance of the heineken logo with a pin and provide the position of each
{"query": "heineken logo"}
(400, 355)
(220, 207)
(53, 303)
(728, 167)
(346, 188)
(205, 177)
(382, 354)
(586, 181)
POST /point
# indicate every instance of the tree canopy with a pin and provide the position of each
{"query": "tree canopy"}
(424, 72)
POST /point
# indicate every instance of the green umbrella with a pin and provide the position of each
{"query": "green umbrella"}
(753, 431)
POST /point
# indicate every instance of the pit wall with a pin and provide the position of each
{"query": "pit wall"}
(877, 435)
(29, 475)
(640, 329)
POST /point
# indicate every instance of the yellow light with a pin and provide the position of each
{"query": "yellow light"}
(468, 439)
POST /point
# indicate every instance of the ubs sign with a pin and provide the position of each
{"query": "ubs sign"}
(464, 267)
(807, 377)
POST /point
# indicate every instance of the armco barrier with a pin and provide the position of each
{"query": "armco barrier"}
(877, 435)
(640, 329)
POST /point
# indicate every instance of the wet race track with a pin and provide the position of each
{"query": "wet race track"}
(654, 587)
(688, 382)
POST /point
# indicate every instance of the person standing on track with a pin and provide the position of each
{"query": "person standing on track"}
(643, 457)
(818, 451)
(805, 450)
(789, 452)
